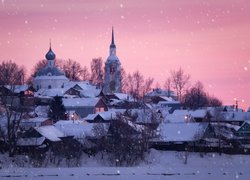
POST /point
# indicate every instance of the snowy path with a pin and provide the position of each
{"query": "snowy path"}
(111, 173)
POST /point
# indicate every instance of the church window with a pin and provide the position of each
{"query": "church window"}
(112, 69)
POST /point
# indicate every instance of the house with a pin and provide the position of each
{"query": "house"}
(156, 95)
(231, 117)
(147, 117)
(83, 132)
(103, 117)
(177, 136)
(244, 130)
(236, 118)
(18, 95)
(35, 122)
(171, 105)
(42, 137)
(72, 115)
(84, 106)
(200, 115)
(85, 88)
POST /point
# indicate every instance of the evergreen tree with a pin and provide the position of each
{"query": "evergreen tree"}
(57, 110)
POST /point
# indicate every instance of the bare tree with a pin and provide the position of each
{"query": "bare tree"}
(196, 97)
(179, 80)
(148, 85)
(37, 67)
(97, 71)
(214, 102)
(136, 84)
(85, 74)
(11, 73)
(126, 144)
(72, 69)
(124, 80)
(167, 85)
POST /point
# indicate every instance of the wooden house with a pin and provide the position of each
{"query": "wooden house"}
(85, 106)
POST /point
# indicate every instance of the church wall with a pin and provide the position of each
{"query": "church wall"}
(45, 83)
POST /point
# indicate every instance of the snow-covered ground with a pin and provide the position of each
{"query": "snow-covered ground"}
(158, 165)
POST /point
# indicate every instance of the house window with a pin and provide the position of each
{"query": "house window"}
(49, 87)
(99, 109)
(37, 87)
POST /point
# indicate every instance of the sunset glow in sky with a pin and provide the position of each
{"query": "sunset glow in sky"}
(209, 39)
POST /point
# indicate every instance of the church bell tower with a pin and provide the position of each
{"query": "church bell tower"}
(112, 78)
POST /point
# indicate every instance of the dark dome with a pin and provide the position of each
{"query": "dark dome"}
(50, 55)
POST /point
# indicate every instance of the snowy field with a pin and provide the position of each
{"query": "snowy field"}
(159, 165)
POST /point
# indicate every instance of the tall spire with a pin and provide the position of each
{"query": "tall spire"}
(112, 45)
(49, 43)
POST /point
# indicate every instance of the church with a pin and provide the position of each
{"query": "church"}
(112, 78)
(52, 77)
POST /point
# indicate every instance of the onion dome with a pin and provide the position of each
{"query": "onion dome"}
(50, 55)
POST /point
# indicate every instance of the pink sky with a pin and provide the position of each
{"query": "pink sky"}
(209, 39)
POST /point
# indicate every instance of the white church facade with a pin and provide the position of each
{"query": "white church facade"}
(50, 77)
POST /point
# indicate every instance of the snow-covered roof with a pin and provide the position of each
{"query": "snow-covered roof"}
(177, 132)
(17, 88)
(91, 91)
(36, 141)
(160, 92)
(123, 96)
(51, 92)
(32, 122)
(146, 115)
(80, 102)
(236, 116)
(106, 115)
(42, 111)
(50, 71)
(87, 89)
(136, 127)
(78, 129)
(186, 115)
(50, 132)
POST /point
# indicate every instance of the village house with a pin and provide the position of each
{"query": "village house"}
(84, 106)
